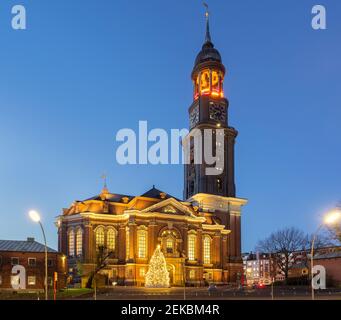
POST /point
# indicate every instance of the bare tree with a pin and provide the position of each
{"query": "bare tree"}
(102, 256)
(335, 233)
(281, 245)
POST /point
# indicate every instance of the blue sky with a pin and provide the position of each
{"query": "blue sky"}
(84, 69)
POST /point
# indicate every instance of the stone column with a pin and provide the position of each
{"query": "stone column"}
(225, 251)
(199, 247)
(216, 250)
(152, 239)
(122, 243)
(184, 247)
(132, 241)
(88, 247)
(232, 235)
(63, 239)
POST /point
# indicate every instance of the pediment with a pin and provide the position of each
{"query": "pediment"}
(170, 206)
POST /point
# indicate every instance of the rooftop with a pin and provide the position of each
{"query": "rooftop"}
(30, 245)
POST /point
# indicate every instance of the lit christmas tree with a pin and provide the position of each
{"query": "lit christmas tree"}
(157, 275)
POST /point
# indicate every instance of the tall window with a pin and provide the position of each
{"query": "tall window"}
(111, 239)
(127, 244)
(207, 250)
(99, 237)
(191, 247)
(170, 245)
(71, 243)
(142, 244)
(79, 242)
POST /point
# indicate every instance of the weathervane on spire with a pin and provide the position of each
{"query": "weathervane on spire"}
(104, 177)
(207, 15)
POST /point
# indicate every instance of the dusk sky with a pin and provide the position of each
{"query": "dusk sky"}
(85, 69)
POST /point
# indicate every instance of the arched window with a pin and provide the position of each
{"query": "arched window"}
(142, 243)
(191, 246)
(71, 243)
(79, 242)
(99, 237)
(207, 250)
(111, 239)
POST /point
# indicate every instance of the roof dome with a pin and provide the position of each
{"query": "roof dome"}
(208, 53)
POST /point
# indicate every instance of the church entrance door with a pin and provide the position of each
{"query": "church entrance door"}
(171, 270)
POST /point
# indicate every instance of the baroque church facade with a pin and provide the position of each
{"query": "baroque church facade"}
(200, 236)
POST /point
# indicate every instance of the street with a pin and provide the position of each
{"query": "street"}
(222, 293)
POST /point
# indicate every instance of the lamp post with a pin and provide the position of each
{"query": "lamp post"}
(329, 219)
(35, 216)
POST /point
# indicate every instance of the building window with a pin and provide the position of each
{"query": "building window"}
(71, 243)
(170, 245)
(15, 280)
(99, 237)
(111, 239)
(191, 247)
(31, 280)
(129, 273)
(207, 250)
(0, 279)
(50, 263)
(219, 184)
(142, 272)
(127, 244)
(14, 261)
(79, 242)
(142, 243)
(32, 262)
(192, 274)
(114, 273)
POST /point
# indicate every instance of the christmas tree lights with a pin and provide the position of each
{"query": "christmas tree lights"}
(157, 275)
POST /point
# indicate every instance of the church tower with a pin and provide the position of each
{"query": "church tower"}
(214, 193)
(209, 110)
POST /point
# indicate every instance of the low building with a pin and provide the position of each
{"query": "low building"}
(22, 265)
(331, 261)
(298, 270)
(257, 268)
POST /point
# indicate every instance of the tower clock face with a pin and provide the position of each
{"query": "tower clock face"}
(194, 117)
(217, 112)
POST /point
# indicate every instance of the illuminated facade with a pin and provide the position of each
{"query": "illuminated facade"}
(215, 193)
(199, 237)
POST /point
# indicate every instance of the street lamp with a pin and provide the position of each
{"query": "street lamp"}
(330, 218)
(35, 216)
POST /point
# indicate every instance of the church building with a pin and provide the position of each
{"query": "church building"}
(200, 236)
